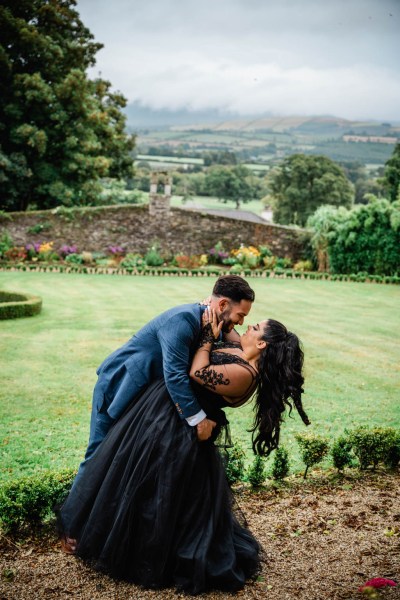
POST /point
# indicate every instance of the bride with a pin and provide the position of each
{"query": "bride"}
(154, 506)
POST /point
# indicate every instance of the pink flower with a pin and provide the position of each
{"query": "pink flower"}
(378, 582)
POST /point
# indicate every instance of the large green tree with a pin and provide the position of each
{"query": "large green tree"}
(236, 184)
(391, 175)
(303, 183)
(59, 131)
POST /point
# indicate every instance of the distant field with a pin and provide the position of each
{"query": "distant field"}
(290, 135)
(349, 332)
(170, 159)
(254, 206)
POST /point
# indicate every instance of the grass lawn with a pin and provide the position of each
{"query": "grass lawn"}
(48, 362)
(254, 206)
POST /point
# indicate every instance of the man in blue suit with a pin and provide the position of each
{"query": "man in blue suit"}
(164, 348)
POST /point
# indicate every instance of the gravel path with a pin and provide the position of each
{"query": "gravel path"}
(321, 542)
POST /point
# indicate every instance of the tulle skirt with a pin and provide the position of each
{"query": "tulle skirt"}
(154, 506)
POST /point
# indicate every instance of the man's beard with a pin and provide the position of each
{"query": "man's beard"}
(227, 322)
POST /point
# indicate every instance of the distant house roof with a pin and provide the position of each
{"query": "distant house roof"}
(241, 215)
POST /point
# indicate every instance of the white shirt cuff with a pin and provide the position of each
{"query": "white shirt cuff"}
(195, 419)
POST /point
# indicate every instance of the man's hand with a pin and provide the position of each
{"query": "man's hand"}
(204, 429)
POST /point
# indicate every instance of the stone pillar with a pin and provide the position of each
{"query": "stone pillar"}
(159, 204)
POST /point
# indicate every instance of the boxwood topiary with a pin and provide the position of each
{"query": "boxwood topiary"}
(14, 305)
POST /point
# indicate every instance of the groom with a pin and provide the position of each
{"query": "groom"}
(164, 348)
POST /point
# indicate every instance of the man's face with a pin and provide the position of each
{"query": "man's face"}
(233, 314)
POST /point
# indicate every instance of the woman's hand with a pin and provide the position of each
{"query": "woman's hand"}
(210, 321)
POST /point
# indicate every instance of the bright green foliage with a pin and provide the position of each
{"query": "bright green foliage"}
(6, 242)
(341, 453)
(313, 448)
(375, 445)
(365, 238)
(391, 176)
(60, 131)
(256, 474)
(27, 501)
(280, 465)
(236, 184)
(303, 183)
(234, 464)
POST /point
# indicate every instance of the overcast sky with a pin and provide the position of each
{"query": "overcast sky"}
(304, 57)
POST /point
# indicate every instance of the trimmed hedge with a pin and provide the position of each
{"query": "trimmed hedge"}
(14, 305)
(29, 500)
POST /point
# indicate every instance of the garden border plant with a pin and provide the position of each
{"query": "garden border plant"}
(27, 501)
(15, 305)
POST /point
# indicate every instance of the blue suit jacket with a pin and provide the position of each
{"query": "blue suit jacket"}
(162, 348)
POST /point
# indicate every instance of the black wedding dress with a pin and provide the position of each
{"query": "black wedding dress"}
(155, 507)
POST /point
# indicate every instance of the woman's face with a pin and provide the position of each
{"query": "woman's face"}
(253, 333)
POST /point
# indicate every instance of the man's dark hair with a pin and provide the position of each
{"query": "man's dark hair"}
(233, 287)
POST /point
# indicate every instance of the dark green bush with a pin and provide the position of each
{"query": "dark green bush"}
(374, 445)
(256, 474)
(341, 453)
(280, 465)
(391, 457)
(313, 448)
(14, 305)
(234, 464)
(29, 500)
(153, 257)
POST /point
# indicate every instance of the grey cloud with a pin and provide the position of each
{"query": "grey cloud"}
(250, 54)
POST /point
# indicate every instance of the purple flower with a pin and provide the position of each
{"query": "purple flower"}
(116, 250)
(66, 250)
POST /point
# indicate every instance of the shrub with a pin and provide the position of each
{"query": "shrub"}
(280, 465)
(234, 464)
(374, 445)
(392, 450)
(13, 306)
(74, 259)
(153, 257)
(29, 500)
(313, 448)
(303, 265)
(247, 256)
(256, 474)
(16, 253)
(341, 453)
(6, 243)
(132, 260)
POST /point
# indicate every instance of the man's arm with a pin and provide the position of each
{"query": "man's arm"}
(176, 338)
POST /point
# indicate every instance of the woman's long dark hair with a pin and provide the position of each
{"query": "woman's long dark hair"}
(280, 370)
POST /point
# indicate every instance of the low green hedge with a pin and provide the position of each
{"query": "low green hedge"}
(14, 305)
(29, 500)
(200, 272)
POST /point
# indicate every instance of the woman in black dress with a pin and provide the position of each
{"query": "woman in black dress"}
(154, 506)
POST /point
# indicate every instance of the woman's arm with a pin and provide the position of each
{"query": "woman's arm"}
(231, 380)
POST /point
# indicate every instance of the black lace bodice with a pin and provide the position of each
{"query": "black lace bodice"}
(218, 356)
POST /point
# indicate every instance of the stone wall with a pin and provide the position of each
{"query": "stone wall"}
(135, 228)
